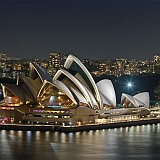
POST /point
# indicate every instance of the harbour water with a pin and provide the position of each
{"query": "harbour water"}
(125, 143)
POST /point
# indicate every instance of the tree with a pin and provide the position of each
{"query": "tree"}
(157, 91)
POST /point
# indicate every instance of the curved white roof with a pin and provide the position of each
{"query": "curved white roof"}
(17, 91)
(105, 99)
(135, 101)
(143, 97)
(30, 84)
(107, 91)
(40, 71)
(75, 64)
(78, 84)
(61, 87)
(79, 96)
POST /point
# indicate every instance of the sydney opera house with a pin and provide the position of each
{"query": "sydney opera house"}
(70, 97)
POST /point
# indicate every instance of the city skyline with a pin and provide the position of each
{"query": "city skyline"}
(87, 29)
(8, 57)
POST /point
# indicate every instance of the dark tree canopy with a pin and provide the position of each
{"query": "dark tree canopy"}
(157, 90)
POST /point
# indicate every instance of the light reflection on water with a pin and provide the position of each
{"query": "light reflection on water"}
(139, 142)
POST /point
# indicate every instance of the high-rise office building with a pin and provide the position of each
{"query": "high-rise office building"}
(56, 61)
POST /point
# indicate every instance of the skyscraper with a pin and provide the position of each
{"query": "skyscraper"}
(56, 61)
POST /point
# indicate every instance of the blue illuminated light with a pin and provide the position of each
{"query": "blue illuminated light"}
(54, 106)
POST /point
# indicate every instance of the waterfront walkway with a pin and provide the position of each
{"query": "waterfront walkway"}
(77, 128)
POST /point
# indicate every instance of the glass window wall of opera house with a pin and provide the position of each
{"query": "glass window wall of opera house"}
(70, 97)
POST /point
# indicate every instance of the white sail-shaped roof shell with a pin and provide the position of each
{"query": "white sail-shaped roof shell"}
(79, 96)
(143, 97)
(78, 84)
(29, 84)
(105, 99)
(107, 91)
(43, 75)
(61, 87)
(134, 101)
(86, 76)
(17, 91)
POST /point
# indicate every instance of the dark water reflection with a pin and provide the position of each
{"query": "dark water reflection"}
(130, 143)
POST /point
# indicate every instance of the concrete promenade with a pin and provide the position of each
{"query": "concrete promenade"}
(26, 127)
(78, 128)
(105, 126)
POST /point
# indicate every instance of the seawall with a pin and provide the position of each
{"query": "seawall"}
(67, 129)
(105, 126)
(24, 127)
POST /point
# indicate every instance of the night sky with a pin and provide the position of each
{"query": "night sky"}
(88, 29)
